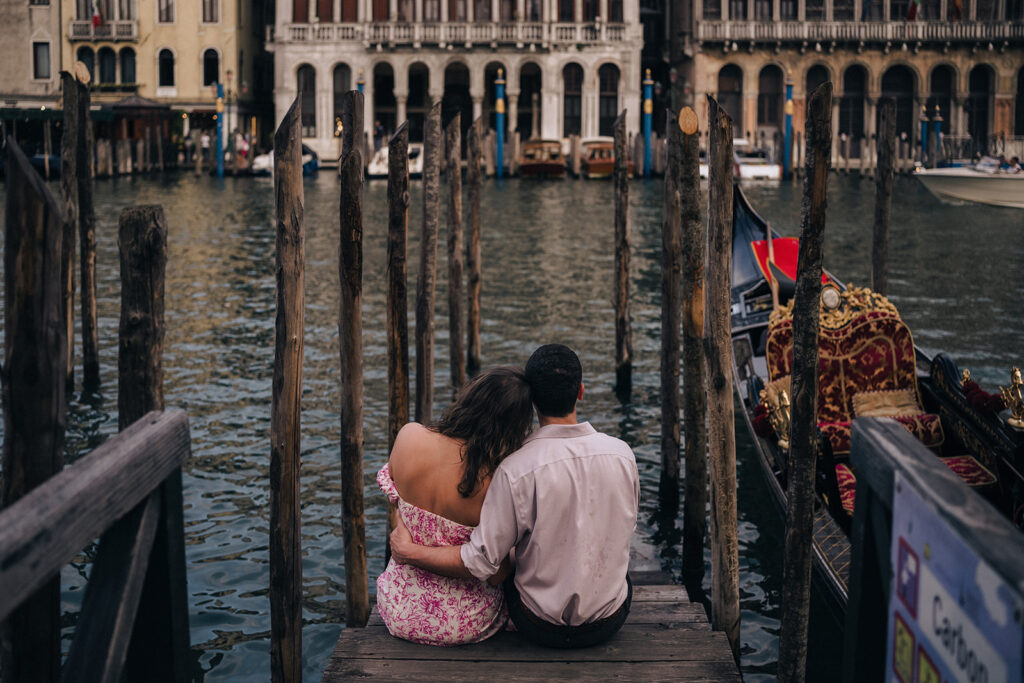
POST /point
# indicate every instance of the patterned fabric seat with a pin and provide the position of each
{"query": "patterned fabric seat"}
(863, 347)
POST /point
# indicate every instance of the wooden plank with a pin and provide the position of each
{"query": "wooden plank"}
(112, 596)
(382, 670)
(660, 594)
(45, 529)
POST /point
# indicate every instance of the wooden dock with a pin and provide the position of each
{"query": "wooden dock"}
(665, 638)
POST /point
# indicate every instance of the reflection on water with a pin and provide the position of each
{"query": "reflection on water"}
(547, 254)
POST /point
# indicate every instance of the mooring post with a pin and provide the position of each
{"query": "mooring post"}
(87, 242)
(286, 404)
(623, 334)
(350, 334)
(725, 596)
(671, 274)
(69, 196)
(428, 265)
(884, 172)
(694, 397)
(453, 155)
(803, 431)
(33, 395)
(160, 635)
(47, 148)
(473, 160)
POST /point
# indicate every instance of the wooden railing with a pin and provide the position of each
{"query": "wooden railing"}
(404, 33)
(888, 460)
(109, 30)
(847, 31)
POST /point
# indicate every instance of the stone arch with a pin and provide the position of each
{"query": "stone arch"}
(107, 60)
(418, 102)
(385, 106)
(819, 73)
(166, 61)
(457, 98)
(855, 81)
(305, 85)
(942, 88)
(900, 82)
(573, 75)
(128, 63)
(1018, 104)
(981, 87)
(730, 92)
(341, 83)
(771, 96)
(490, 75)
(530, 79)
(609, 86)
(86, 55)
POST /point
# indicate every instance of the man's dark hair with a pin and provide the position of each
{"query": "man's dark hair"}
(554, 374)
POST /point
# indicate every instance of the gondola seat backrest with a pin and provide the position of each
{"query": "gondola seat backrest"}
(865, 359)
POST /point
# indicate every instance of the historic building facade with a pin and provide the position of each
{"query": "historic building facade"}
(966, 58)
(570, 65)
(30, 44)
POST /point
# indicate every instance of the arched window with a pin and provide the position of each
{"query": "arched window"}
(851, 107)
(572, 103)
(342, 84)
(211, 67)
(591, 8)
(87, 56)
(979, 106)
(615, 11)
(816, 75)
(166, 68)
(942, 90)
(769, 96)
(1018, 124)
(730, 93)
(108, 65)
(898, 83)
(307, 91)
(530, 104)
(608, 102)
(127, 65)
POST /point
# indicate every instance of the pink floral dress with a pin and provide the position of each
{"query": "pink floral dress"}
(423, 607)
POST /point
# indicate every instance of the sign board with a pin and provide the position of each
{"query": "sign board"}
(951, 617)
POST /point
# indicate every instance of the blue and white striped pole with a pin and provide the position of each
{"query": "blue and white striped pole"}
(787, 142)
(648, 111)
(499, 109)
(220, 130)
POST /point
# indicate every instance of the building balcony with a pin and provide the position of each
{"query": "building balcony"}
(392, 34)
(108, 30)
(749, 32)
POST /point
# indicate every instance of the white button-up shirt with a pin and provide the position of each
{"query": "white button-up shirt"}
(567, 502)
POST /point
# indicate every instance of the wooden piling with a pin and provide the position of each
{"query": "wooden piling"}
(160, 635)
(286, 405)
(428, 265)
(473, 282)
(623, 334)
(884, 172)
(47, 148)
(87, 243)
(33, 395)
(350, 334)
(69, 196)
(694, 364)
(671, 290)
(453, 155)
(725, 597)
(803, 431)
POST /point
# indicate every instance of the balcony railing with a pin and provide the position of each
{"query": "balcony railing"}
(108, 30)
(425, 33)
(855, 31)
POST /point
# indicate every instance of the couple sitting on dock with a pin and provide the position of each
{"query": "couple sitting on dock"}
(497, 523)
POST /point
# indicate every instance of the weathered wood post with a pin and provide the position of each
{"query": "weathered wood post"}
(456, 324)
(884, 173)
(473, 282)
(671, 291)
(47, 148)
(87, 242)
(350, 333)
(428, 265)
(623, 333)
(160, 636)
(803, 431)
(286, 405)
(69, 196)
(694, 396)
(33, 395)
(725, 595)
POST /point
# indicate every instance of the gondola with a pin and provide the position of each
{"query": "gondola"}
(866, 353)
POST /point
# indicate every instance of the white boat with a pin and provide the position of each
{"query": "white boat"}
(984, 183)
(752, 163)
(378, 166)
(263, 164)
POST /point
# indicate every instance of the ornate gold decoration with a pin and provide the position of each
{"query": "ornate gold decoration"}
(853, 302)
(777, 401)
(965, 377)
(1013, 399)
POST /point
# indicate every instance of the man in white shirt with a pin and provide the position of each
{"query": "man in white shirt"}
(566, 503)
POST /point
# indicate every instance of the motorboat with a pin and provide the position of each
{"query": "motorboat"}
(263, 164)
(868, 367)
(752, 163)
(984, 182)
(378, 166)
(542, 158)
(597, 159)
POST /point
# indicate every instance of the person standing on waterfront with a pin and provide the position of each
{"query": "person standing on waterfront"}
(566, 503)
(204, 143)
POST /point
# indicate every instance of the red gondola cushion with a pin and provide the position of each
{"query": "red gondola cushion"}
(847, 487)
(972, 472)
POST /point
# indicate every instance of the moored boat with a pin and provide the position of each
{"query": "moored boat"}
(598, 158)
(869, 366)
(542, 158)
(263, 164)
(984, 183)
(752, 163)
(378, 166)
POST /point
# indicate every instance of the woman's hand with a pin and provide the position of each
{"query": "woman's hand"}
(402, 546)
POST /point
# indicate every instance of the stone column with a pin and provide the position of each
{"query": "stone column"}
(400, 115)
(419, 11)
(282, 16)
(478, 107)
(393, 10)
(444, 11)
(748, 127)
(577, 10)
(835, 127)
(550, 126)
(495, 11)
(602, 10)
(512, 108)
(520, 11)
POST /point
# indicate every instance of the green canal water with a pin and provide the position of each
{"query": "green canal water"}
(547, 259)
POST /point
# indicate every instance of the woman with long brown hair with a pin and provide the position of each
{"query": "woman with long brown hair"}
(437, 476)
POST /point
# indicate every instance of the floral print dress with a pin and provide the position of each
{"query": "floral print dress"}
(423, 607)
